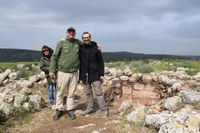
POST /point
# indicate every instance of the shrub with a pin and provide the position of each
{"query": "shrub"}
(192, 72)
(3, 118)
(161, 65)
(146, 69)
(135, 66)
(23, 73)
(20, 114)
(151, 65)
(13, 65)
(141, 66)
(117, 64)
(28, 71)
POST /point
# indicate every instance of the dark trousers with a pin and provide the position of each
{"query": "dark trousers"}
(98, 93)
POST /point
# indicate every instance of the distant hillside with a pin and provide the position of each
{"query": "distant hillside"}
(19, 55)
(113, 56)
(23, 55)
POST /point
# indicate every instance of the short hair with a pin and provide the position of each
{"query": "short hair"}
(86, 33)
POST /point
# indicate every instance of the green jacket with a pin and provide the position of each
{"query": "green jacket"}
(66, 56)
(44, 66)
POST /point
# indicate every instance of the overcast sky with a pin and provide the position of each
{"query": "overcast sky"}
(138, 26)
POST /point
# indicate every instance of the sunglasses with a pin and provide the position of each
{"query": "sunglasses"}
(45, 50)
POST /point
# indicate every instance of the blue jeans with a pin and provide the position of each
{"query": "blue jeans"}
(52, 91)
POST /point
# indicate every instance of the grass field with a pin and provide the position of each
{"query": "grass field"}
(150, 65)
(136, 66)
(13, 65)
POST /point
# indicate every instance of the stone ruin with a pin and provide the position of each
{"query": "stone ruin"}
(167, 100)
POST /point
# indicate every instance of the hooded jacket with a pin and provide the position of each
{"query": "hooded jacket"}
(91, 63)
(44, 65)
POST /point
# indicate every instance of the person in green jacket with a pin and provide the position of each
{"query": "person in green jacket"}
(65, 60)
(44, 66)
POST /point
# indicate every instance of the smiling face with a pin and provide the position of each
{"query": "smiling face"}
(45, 51)
(86, 37)
(71, 34)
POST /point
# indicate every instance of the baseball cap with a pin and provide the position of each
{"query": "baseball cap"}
(71, 28)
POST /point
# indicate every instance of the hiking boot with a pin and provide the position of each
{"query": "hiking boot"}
(71, 114)
(57, 115)
(105, 114)
(86, 112)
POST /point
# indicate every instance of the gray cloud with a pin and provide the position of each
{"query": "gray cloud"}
(155, 27)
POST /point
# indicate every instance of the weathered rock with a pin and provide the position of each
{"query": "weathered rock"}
(173, 127)
(12, 76)
(20, 66)
(149, 87)
(26, 91)
(4, 75)
(37, 101)
(193, 124)
(119, 72)
(127, 90)
(137, 116)
(127, 72)
(106, 70)
(24, 83)
(173, 103)
(147, 79)
(197, 77)
(177, 87)
(113, 72)
(133, 78)
(125, 106)
(27, 106)
(35, 78)
(6, 108)
(190, 97)
(180, 117)
(124, 80)
(138, 87)
(19, 100)
(163, 80)
(158, 120)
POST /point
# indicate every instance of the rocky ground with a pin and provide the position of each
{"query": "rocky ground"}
(42, 121)
(168, 101)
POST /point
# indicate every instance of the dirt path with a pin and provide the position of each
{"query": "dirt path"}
(42, 121)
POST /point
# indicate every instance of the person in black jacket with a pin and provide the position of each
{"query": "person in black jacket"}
(44, 66)
(91, 74)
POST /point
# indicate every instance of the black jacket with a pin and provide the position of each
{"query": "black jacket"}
(91, 63)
